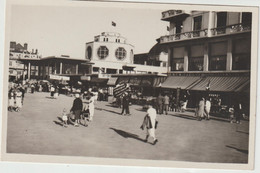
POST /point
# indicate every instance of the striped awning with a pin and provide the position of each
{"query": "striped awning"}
(223, 83)
(158, 81)
(183, 82)
(112, 81)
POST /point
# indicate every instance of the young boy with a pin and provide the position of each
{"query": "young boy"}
(65, 118)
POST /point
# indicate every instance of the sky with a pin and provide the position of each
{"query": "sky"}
(63, 30)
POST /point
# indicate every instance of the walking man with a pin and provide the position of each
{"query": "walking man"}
(125, 104)
(150, 123)
(166, 103)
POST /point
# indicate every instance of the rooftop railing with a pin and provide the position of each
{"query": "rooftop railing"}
(171, 13)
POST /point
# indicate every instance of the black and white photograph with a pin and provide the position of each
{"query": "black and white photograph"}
(130, 83)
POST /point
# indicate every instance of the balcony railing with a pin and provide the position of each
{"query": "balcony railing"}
(230, 29)
(172, 13)
(236, 28)
(184, 36)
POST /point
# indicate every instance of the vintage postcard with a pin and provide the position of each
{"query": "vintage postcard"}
(130, 84)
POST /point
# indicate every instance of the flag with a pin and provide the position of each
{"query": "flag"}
(120, 89)
(113, 23)
(168, 28)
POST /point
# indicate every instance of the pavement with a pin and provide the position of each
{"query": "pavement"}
(36, 129)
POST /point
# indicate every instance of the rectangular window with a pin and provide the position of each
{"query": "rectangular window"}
(197, 22)
(111, 71)
(247, 19)
(177, 63)
(241, 54)
(196, 58)
(95, 69)
(221, 19)
(179, 27)
(218, 56)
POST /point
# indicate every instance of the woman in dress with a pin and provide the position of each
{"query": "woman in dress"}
(201, 109)
(91, 107)
(18, 99)
(11, 100)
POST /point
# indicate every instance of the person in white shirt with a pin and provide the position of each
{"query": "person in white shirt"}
(150, 122)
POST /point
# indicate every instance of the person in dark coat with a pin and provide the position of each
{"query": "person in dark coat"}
(77, 109)
(125, 104)
(160, 101)
(237, 111)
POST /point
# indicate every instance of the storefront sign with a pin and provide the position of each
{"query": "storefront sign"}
(104, 76)
(87, 78)
(56, 77)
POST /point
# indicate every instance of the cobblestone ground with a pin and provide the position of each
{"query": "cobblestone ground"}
(36, 130)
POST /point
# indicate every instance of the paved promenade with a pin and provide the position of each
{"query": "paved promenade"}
(36, 129)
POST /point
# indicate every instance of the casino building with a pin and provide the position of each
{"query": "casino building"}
(208, 48)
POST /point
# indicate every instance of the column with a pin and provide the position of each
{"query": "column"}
(186, 59)
(210, 24)
(29, 71)
(169, 59)
(55, 68)
(229, 55)
(60, 67)
(206, 57)
(77, 69)
(23, 71)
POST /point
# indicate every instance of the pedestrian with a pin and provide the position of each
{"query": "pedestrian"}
(91, 102)
(52, 91)
(77, 109)
(125, 104)
(207, 108)
(18, 100)
(65, 118)
(159, 104)
(32, 88)
(237, 111)
(85, 113)
(11, 100)
(166, 104)
(231, 114)
(201, 108)
(150, 122)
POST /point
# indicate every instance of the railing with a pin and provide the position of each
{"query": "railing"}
(230, 29)
(184, 36)
(236, 28)
(171, 13)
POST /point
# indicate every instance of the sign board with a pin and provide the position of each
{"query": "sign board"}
(87, 78)
(104, 76)
(56, 77)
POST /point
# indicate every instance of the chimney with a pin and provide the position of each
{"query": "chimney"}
(36, 51)
(25, 46)
(12, 45)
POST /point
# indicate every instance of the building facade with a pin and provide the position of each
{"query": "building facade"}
(209, 49)
(19, 52)
(111, 54)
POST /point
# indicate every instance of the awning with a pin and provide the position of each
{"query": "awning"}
(183, 82)
(112, 81)
(158, 81)
(222, 83)
(122, 80)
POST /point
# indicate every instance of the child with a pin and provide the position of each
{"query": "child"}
(65, 118)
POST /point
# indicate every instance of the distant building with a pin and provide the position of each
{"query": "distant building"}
(18, 52)
(111, 54)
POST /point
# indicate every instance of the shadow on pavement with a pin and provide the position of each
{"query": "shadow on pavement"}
(58, 123)
(127, 134)
(242, 132)
(111, 111)
(239, 150)
(183, 116)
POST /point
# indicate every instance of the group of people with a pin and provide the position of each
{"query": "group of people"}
(203, 109)
(16, 98)
(82, 109)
